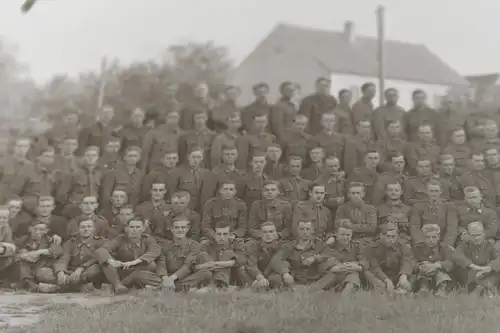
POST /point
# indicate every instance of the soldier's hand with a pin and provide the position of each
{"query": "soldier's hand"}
(330, 240)
(168, 283)
(56, 239)
(76, 275)
(404, 283)
(389, 286)
(61, 278)
(129, 264)
(114, 263)
(309, 261)
(288, 278)
(261, 282)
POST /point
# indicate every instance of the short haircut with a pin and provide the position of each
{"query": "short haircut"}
(428, 228)
(367, 85)
(267, 224)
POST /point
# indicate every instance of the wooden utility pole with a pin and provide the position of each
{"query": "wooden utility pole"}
(381, 53)
(102, 86)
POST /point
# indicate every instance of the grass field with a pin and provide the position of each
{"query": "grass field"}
(299, 312)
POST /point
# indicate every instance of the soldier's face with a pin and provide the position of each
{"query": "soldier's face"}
(200, 120)
(270, 192)
(478, 162)
(228, 191)
(126, 214)
(222, 235)
(332, 165)
(269, 233)
(258, 163)
(132, 157)
(4, 217)
(323, 87)
(476, 236)
(390, 237)
(424, 168)
(391, 97)
(344, 236)
(345, 98)
(15, 207)
(260, 123)
(230, 156)
(234, 122)
(89, 205)
(195, 159)
(274, 153)
(492, 157)
(398, 163)
(394, 129)
(434, 192)
(180, 229)
(317, 194)
(180, 203)
(45, 207)
(201, 90)
(170, 160)
(172, 119)
(39, 230)
(135, 228)
(137, 117)
(69, 146)
(261, 93)
(47, 159)
(289, 90)
(112, 147)
(372, 160)
(300, 124)
(491, 130)
(473, 199)
(232, 94)
(394, 191)
(356, 194)
(317, 155)
(364, 128)
(158, 191)
(86, 228)
(106, 113)
(419, 99)
(458, 137)
(295, 167)
(432, 238)
(91, 157)
(425, 133)
(118, 198)
(305, 230)
(22, 147)
(448, 166)
(328, 121)
(370, 92)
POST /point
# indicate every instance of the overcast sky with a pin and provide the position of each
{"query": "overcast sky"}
(72, 35)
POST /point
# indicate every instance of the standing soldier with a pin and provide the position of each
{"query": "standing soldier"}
(99, 133)
(221, 114)
(357, 146)
(295, 188)
(78, 266)
(315, 105)
(391, 144)
(200, 136)
(343, 111)
(201, 101)
(415, 188)
(225, 207)
(250, 189)
(363, 108)
(434, 211)
(260, 106)
(448, 118)
(317, 157)
(65, 160)
(274, 169)
(226, 138)
(458, 147)
(129, 259)
(270, 209)
(390, 112)
(450, 178)
(295, 139)
(133, 133)
(423, 146)
(420, 114)
(334, 182)
(393, 210)
(367, 174)
(284, 111)
(333, 143)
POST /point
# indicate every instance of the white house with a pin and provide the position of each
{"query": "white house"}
(301, 55)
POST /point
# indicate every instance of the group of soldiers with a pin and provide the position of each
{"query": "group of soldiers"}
(327, 193)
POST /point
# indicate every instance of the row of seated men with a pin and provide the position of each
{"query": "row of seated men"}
(385, 262)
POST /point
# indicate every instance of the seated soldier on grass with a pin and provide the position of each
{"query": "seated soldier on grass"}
(259, 255)
(478, 262)
(434, 262)
(129, 259)
(7, 247)
(78, 268)
(175, 266)
(37, 254)
(223, 256)
(391, 262)
(346, 264)
(299, 262)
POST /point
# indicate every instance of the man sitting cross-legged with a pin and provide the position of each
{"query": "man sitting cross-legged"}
(175, 266)
(78, 268)
(129, 259)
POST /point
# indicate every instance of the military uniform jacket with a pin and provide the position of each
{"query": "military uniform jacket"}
(260, 255)
(461, 154)
(249, 144)
(388, 262)
(440, 253)
(319, 214)
(158, 142)
(94, 135)
(234, 250)
(342, 253)
(132, 136)
(334, 188)
(74, 187)
(415, 117)
(355, 150)
(282, 116)
(28, 244)
(42, 182)
(66, 164)
(314, 106)
(250, 189)
(122, 178)
(100, 223)
(223, 139)
(312, 173)
(193, 139)
(385, 178)
(295, 189)
(415, 189)
(442, 213)
(383, 116)
(274, 170)
(295, 143)
(388, 147)
(160, 175)
(78, 253)
(362, 216)
(417, 150)
(178, 257)
(344, 123)
(332, 143)
(122, 248)
(162, 227)
(367, 177)
(479, 179)
(155, 214)
(232, 210)
(184, 178)
(487, 216)
(397, 213)
(468, 253)
(277, 211)
(14, 178)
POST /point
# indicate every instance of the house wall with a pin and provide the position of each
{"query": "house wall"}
(405, 88)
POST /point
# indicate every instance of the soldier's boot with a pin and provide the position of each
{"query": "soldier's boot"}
(112, 276)
(47, 288)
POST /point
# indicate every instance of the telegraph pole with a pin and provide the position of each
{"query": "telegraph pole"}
(381, 52)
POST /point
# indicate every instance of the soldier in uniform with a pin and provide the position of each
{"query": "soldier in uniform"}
(363, 108)
(367, 174)
(295, 138)
(315, 105)
(270, 209)
(434, 211)
(343, 111)
(434, 262)
(332, 142)
(118, 200)
(415, 188)
(334, 181)
(395, 173)
(357, 146)
(199, 136)
(315, 211)
(295, 188)
(493, 170)
(78, 266)
(259, 106)
(159, 141)
(490, 139)
(66, 161)
(284, 111)
(317, 158)
(220, 114)
(274, 169)
(422, 147)
(126, 176)
(111, 157)
(37, 253)
(450, 179)
(133, 133)
(391, 262)
(459, 149)
(7, 246)
(389, 113)
(154, 210)
(420, 114)
(226, 138)
(363, 216)
(99, 132)
(250, 188)
(130, 259)
(225, 207)
(259, 256)
(477, 176)
(161, 174)
(448, 118)
(88, 207)
(392, 144)
(393, 210)
(178, 259)
(479, 261)
(19, 219)
(44, 212)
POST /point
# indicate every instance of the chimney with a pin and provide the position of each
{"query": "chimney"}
(349, 32)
